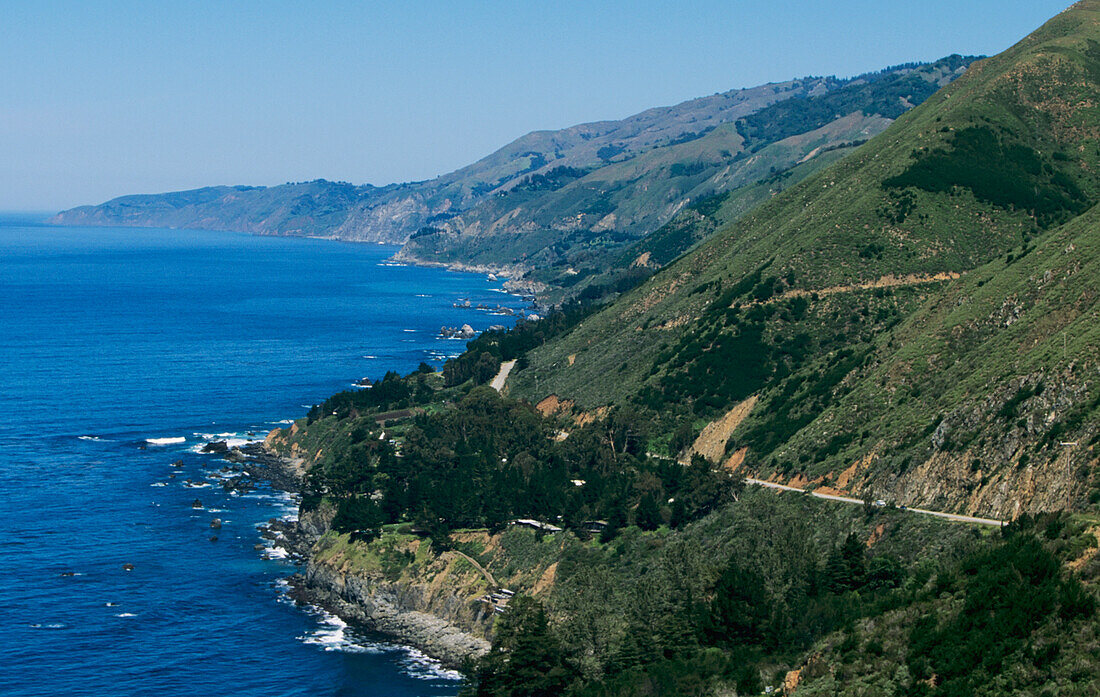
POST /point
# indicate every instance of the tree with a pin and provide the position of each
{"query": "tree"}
(358, 515)
(740, 609)
(844, 570)
(486, 367)
(616, 520)
(527, 659)
(647, 515)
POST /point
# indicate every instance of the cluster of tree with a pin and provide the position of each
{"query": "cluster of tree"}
(889, 95)
(551, 180)
(616, 282)
(730, 356)
(391, 392)
(997, 169)
(1008, 593)
(768, 604)
(488, 459)
(483, 355)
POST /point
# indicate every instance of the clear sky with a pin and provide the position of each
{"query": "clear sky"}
(100, 99)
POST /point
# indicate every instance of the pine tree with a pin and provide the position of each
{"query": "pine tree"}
(648, 515)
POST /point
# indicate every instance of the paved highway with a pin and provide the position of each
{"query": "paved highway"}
(501, 376)
(848, 499)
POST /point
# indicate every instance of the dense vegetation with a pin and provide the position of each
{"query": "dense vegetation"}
(483, 356)
(707, 608)
(917, 322)
(887, 93)
(487, 460)
(998, 169)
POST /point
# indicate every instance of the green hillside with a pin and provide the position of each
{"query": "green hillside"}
(565, 220)
(904, 294)
(913, 321)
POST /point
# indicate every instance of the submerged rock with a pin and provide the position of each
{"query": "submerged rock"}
(127, 567)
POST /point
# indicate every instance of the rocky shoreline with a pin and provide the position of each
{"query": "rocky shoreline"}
(384, 608)
(392, 608)
(514, 273)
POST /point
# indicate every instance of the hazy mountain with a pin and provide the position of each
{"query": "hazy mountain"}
(665, 143)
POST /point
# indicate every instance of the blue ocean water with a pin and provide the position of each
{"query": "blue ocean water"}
(112, 340)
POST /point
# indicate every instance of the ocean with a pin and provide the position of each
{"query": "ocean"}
(121, 351)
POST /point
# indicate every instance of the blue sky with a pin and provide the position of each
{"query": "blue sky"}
(103, 99)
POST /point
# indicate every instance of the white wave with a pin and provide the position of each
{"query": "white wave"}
(196, 485)
(49, 625)
(159, 484)
(94, 438)
(282, 592)
(370, 357)
(125, 614)
(417, 664)
(276, 553)
(234, 442)
(284, 422)
(165, 441)
(423, 295)
(411, 331)
(332, 636)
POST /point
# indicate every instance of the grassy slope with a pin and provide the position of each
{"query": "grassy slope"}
(843, 226)
(627, 198)
(642, 193)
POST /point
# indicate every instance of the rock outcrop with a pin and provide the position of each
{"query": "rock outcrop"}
(421, 614)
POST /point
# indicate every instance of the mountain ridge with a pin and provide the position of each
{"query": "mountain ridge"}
(393, 213)
(937, 195)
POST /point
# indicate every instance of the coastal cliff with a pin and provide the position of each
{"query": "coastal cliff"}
(398, 587)
(395, 585)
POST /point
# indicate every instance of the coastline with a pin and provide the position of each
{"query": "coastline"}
(405, 612)
(513, 273)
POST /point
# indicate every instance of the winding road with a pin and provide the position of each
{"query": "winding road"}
(847, 499)
(502, 375)
(484, 572)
